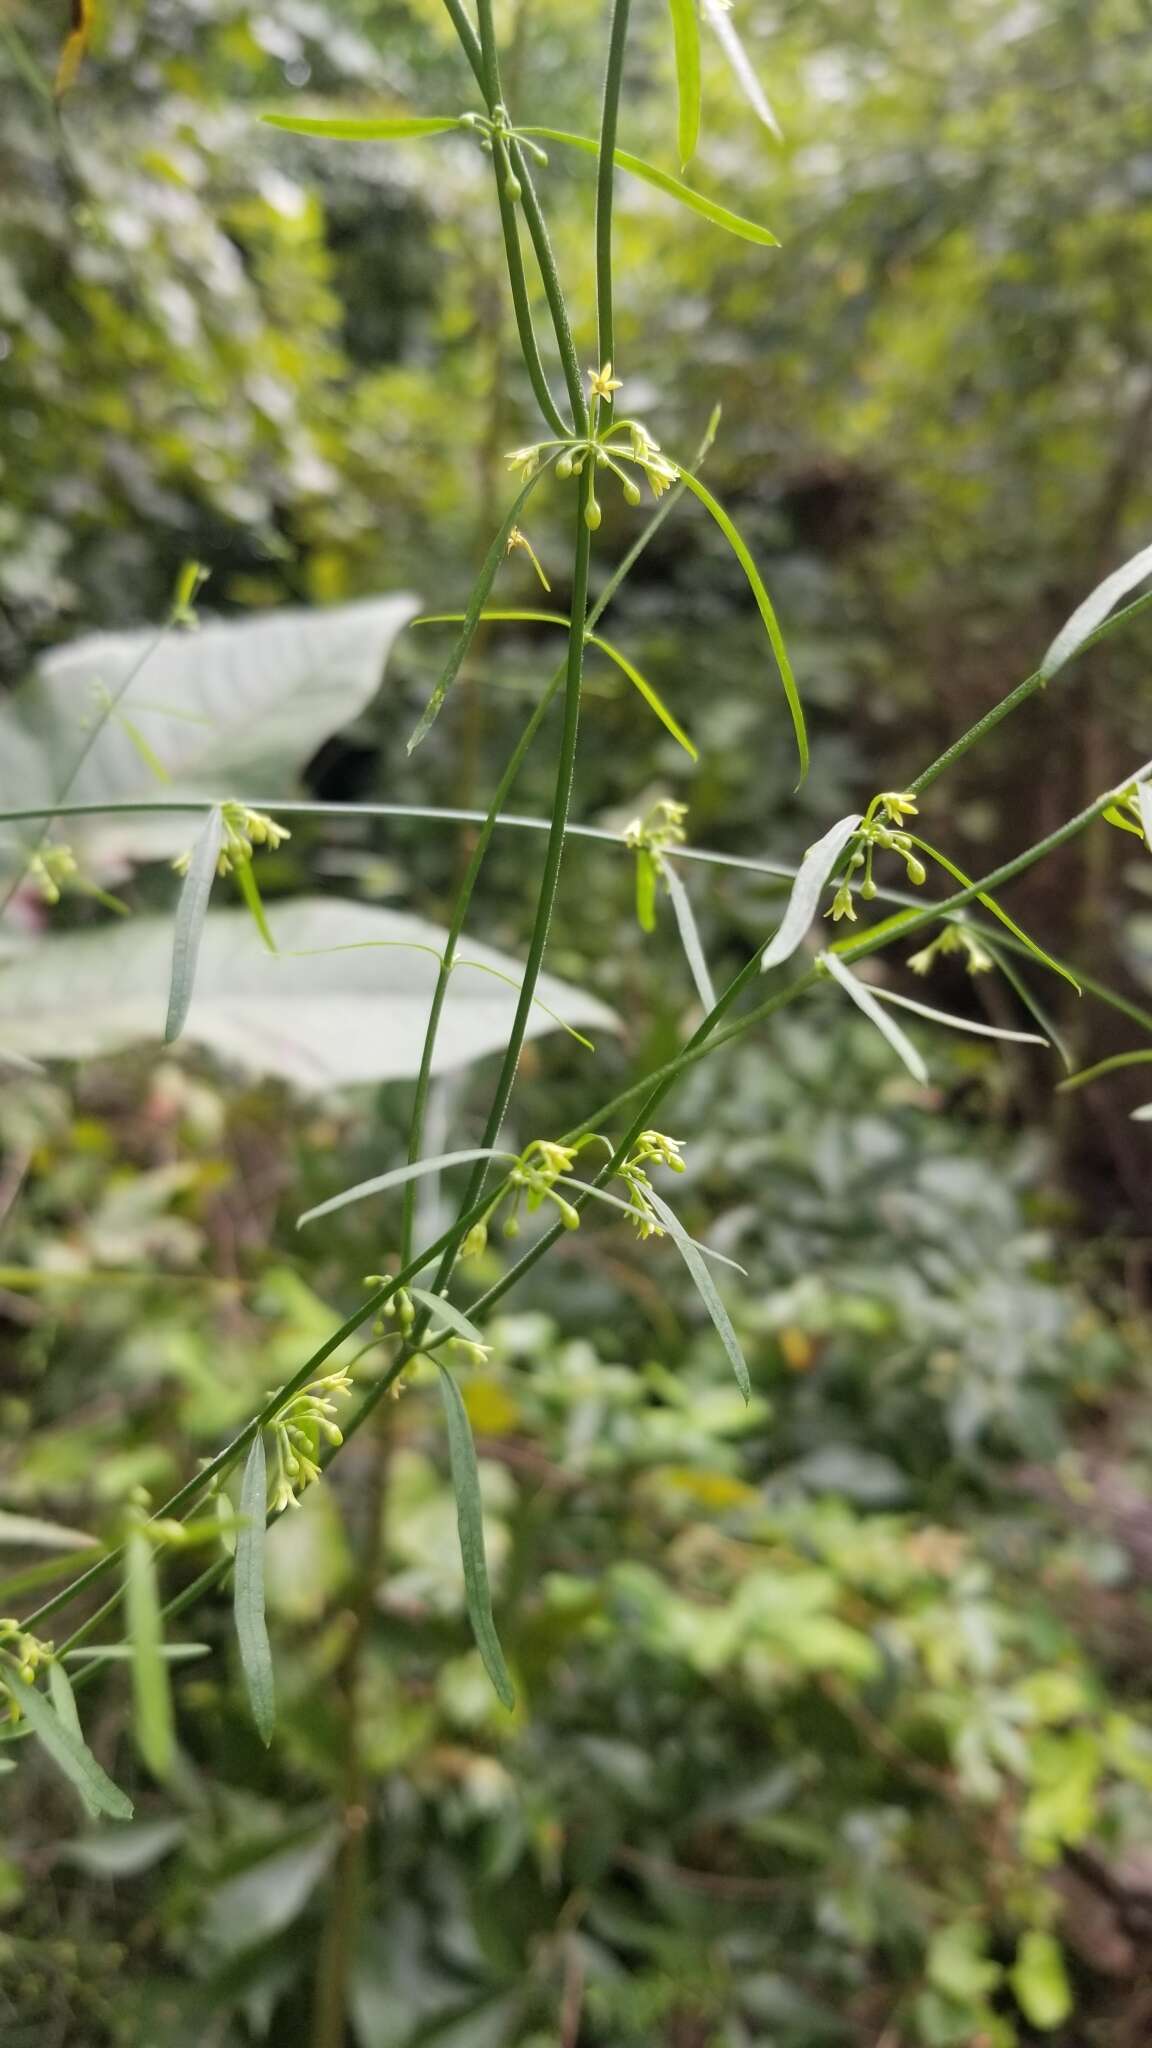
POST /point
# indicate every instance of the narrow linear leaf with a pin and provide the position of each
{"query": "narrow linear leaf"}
(972, 1024)
(1144, 800)
(152, 1698)
(33, 1533)
(483, 584)
(496, 615)
(1112, 1065)
(804, 899)
(637, 167)
(470, 1523)
(191, 911)
(991, 904)
(686, 44)
(450, 1315)
(64, 1700)
(249, 889)
(147, 753)
(1095, 608)
(645, 890)
(589, 1188)
(650, 696)
(19, 1063)
(74, 50)
(1032, 1003)
(397, 1177)
(865, 1000)
(372, 128)
(248, 1593)
(689, 936)
(740, 64)
(67, 1751)
(765, 607)
(119, 1653)
(706, 1289)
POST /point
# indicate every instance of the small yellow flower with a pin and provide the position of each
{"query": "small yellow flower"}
(602, 383)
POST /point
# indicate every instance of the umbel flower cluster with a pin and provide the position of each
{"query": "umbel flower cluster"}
(618, 441)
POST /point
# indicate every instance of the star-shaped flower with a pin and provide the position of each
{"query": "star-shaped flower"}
(602, 383)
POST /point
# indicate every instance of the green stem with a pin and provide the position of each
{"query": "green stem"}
(465, 893)
(605, 180)
(1018, 696)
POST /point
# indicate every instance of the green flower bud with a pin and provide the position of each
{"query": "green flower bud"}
(512, 188)
(564, 466)
(632, 492)
(917, 872)
(592, 515)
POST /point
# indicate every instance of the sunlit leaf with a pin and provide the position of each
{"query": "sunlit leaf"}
(706, 1289)
(470, 1522)
(720, 21)
(364, 128)
(452, 1317)
(865, 1000)
(686, 41)
(1113, 1065)
(380, 1182)
(152, 1697)
(1039, 1980)
(188, 930)
(765, 607)
(720, 216)
(30, 1531)
(1095, 608)
(250, 890)
(803, 902)
(67, 1751)
(248, 1593)
(990, 903)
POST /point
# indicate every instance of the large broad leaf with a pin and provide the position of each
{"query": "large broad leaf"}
(345, 1000)
(236, 708)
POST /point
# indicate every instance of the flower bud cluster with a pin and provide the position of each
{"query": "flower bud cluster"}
(881, 827)
(29, 1654)
(243, 831)
(297, 1433)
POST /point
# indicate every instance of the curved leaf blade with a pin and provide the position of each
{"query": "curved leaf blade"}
(64, 1700)
(804, 899)
(370, 128)
(865, 1000)
(638, 167)
(188, 930)
(1094, 610)
(470, 1523)
(689, 936)
(972, 1024)
(68, 1752)
(651, 697)
(248, 1593)
(152, 1697)
(483, 584)
(454, 1318)
(740, 64)
(397, 1177)
(707, 1290)
(765, 607)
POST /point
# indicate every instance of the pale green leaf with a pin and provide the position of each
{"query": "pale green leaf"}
(331, 1011)
(971, 1024)
(720, 21)
(470, 1523)
(64, 1700)
(188, 930)
(396, 1178)
(248, 1593)
(865, 1000)
(67, 1751)
(637, 167)
(31, 1533)
(804, 900)
(1095, 608)
(689, 936)
(706, 1289)
(151, 1694)
(450, 1315)
(250, 890)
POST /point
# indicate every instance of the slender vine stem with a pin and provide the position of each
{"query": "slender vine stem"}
(605, 187)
